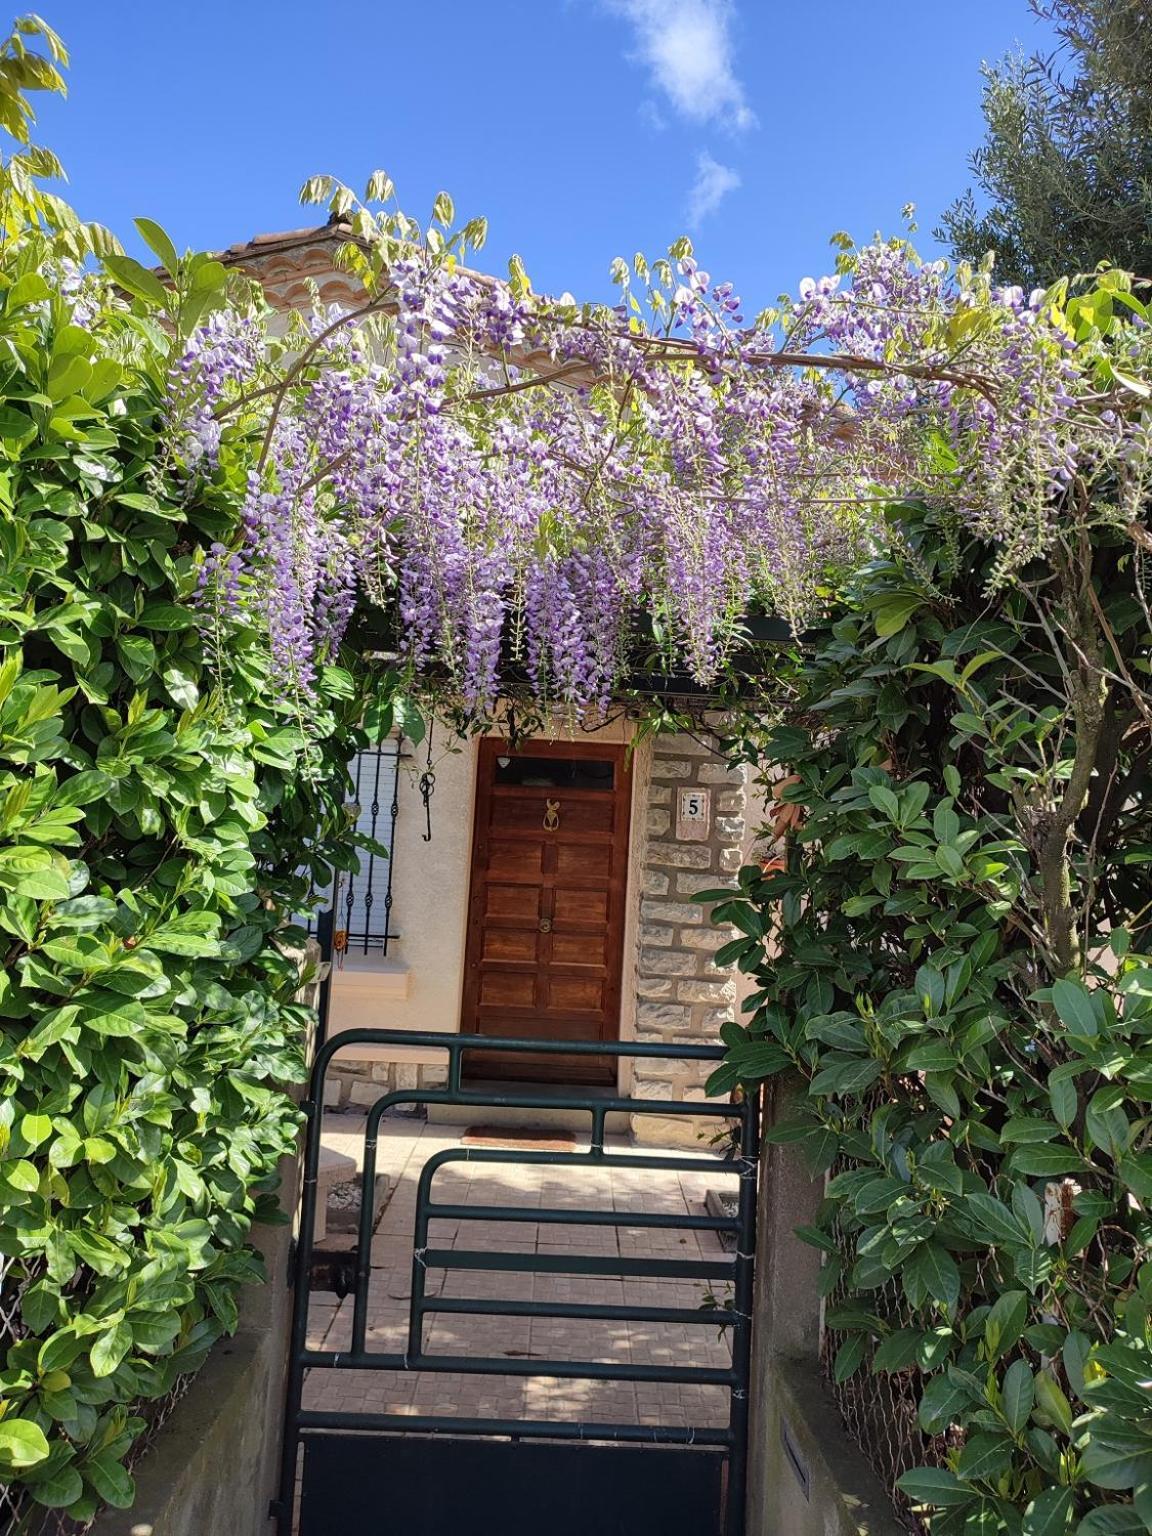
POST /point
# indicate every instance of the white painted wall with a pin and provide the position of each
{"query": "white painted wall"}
(418, 986)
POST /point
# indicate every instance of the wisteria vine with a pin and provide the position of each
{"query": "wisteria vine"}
(517, 478)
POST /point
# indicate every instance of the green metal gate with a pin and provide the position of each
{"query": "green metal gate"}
(371, 1473)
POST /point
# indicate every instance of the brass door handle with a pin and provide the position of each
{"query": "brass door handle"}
(551, 815)
(545, 925)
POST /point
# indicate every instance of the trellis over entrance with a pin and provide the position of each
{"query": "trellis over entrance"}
(378, 1471)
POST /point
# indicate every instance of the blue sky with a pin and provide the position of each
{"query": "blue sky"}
(582, 129)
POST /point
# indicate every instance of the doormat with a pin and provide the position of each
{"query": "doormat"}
(530, 1138)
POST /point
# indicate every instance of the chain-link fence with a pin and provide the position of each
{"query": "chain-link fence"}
(20, 1515)
(879, 1409)
(879, 1412)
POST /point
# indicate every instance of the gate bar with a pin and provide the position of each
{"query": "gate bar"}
(313, 1419)
(301, 1423)
(485, 1306)
(502, 1365)
(424, 1257)
(742, 1306)
(594, 1157)
(579, 1264)
(574, 1218)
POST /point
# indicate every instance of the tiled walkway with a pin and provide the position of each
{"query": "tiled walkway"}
(405, 1144)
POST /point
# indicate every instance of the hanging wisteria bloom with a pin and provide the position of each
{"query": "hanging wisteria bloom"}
(516, 480)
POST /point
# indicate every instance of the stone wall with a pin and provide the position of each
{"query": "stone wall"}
(682, 998)
(351, 1083)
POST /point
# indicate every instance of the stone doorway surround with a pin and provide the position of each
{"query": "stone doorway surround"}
(681, 996)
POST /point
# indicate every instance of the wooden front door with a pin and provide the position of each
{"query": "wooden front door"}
(546, 915)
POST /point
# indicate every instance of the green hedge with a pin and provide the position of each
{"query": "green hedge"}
(957, 961)
(159, 823)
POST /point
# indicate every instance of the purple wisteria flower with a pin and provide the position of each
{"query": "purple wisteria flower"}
(517, 478)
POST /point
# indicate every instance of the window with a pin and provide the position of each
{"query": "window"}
(359, 906)
(528, 772)
(363, 905)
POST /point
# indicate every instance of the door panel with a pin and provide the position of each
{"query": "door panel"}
(513, 901)
(574, 994)
(516, 861)
(505, 989)
(591, 862)
(523, 811)
(546, 914)
(581, 949)
(578, 909)
(510, 944)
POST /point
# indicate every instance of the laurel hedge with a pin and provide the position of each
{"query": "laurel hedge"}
(954, 962)
(161, 820)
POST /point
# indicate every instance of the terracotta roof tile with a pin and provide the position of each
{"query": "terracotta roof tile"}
(285, 240)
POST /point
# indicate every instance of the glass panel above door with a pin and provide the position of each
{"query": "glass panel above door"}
(528, 772)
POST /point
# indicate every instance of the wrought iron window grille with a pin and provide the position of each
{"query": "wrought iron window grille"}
(357, 918)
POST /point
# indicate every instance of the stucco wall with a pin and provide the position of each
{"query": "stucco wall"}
(805, 1476)
(418, 985)
(430, 892)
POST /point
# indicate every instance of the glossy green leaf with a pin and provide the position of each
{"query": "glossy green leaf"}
(137, 280)
(934, 1486)
(1050, 1513)
(1018, 1394)
(158, 241)
(22, 1444)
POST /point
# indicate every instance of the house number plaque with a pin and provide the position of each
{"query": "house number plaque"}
(693, 815)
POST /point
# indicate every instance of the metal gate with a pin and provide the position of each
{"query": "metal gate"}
(366, 1473)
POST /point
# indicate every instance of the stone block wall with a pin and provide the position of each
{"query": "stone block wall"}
(682, 998)
(351, 1083)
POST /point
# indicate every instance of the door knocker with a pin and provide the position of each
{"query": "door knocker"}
(551, 815)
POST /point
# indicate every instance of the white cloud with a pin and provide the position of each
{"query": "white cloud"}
(687, 48)
(651, 116)
(712, 185)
